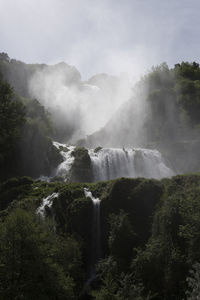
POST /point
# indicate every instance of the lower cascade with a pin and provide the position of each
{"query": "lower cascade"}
(112, 163)
(96, 239)
(96, 230)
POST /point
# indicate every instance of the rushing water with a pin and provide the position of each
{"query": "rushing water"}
(96, 229)
(48, 201)
(96, 240)
(111, 163)
(68, 159)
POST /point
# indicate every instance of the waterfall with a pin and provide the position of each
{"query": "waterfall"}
(48, 201)
(111, 163)
(68, 159)
(96, 235)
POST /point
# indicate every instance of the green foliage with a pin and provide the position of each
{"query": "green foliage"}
(35, 111)
(35, 152)
(116, 285)
(174, 244)
(12, 188)
(121, 239)
(172, 94)
(150, 234)
(28, 265)
(25, 142)
(172, 97)
(73, 215)
(193, 281)
(138, 198)
(187, 87)
(12, 117)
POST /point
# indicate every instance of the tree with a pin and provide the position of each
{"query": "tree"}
(194, 283)
(4, 56)
(121, 239)
(12, 117)
(115, 285)
(28, 268)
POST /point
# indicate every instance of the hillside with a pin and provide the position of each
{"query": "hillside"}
(74, 233)
(162, 111)
(148, 241)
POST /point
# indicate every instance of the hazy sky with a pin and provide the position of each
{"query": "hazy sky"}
(110, 36)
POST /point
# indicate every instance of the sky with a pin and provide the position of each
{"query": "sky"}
(101, 36)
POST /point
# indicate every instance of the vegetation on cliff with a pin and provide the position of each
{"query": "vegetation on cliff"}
(150, 233)
(81, 170)
(149, 238)
(26, 136)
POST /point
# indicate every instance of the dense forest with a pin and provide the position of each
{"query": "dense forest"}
(26, 130)
(149, 239)
(128, 238)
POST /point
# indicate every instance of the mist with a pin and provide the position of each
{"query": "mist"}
(96, 37)
(105, 48)
(82, 106)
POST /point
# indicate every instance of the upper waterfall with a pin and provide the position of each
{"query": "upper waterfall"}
(112, 163)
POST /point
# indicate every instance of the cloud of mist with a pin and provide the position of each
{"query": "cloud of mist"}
(126, 127)
(82, 106)
(97, 37)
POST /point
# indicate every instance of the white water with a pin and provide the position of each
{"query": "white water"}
(96, 201)
(96, 238)
(64, 168)
(96, 232)
(48, 201)
(111, 163)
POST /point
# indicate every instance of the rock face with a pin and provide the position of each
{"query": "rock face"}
(39, 156)
(81, 170)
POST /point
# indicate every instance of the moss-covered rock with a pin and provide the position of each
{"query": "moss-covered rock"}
(136, 197)
(97, 149)
(81, 170)
(63, 148)
(156, 222)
